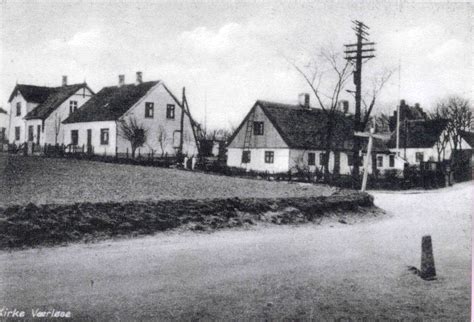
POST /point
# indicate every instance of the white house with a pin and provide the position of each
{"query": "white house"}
(36, 112)
(276, 137)
(424, 140)
(97, 125)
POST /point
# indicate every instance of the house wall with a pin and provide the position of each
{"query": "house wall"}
(19, 121)
(60, 114)
(257, 159)
(170, 128)
(430, 154)
(108, 149)
(270, 138)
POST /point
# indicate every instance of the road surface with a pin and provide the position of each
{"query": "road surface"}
(296, 272)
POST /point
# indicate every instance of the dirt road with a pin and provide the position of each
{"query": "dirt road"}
(310, 271)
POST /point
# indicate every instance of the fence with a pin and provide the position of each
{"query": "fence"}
(124, 157)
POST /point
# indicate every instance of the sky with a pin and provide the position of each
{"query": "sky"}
(228, 54)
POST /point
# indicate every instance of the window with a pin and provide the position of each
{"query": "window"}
(170, 111)
(104, 136)
(18, 109)
(31, 133)
(17, 133)
(391, 160)
(72, 106)
(350, 159)
(257, 128)
(149, 109)
(245, 156)
(269, 156)
(322, 158)
(311, 158)
(379, 161)
(419, 157)
(74, 137)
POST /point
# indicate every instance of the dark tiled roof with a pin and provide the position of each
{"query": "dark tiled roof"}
(418, 134)
(3, 111)
(110, 103)
(32, 93)
(53, 101)
(468, 137)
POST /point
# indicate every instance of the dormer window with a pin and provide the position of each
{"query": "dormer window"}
(72, 106)
(18, 109)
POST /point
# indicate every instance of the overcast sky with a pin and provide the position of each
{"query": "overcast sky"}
(230, 54)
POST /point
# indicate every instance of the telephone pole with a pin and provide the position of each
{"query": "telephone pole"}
(357, 54)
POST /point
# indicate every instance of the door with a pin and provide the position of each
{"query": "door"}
(38, 133)
(89, 140)
(30, 133)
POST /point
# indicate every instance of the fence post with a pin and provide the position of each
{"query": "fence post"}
(127, 153)
(116, 153)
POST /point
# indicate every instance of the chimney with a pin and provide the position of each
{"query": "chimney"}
(303, 100)
(417, 105)
(344, 106)
(121, 80)
(64, 80)
(139, 79)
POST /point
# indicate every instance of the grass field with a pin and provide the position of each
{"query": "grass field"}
(320, 272)
(46, 180)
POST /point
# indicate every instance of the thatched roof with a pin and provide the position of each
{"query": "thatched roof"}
(306, 128)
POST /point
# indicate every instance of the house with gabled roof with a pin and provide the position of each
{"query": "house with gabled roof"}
(97, 125)
(276, 137)
(424, 140)
(37, 112)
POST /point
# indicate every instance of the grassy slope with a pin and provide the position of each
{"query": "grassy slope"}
(304, 272)
(42, 180)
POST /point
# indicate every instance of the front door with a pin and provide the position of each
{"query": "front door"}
(38, 133)
(30, 133)
(89, 140)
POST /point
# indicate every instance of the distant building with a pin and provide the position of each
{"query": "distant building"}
(407, 113)
(425, 140)
(97, 125)
(4, 120)
(36, 112)
(277, 137)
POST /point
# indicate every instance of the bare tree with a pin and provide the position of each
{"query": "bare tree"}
(368, 100)
(458, 113)
(335, 71)
(134, 133)
(162, 139)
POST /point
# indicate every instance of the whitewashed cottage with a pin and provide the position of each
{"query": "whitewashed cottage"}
(97, 126)
(37, 112)
(277, 137)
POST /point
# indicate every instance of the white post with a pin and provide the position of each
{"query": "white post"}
(366, 161)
